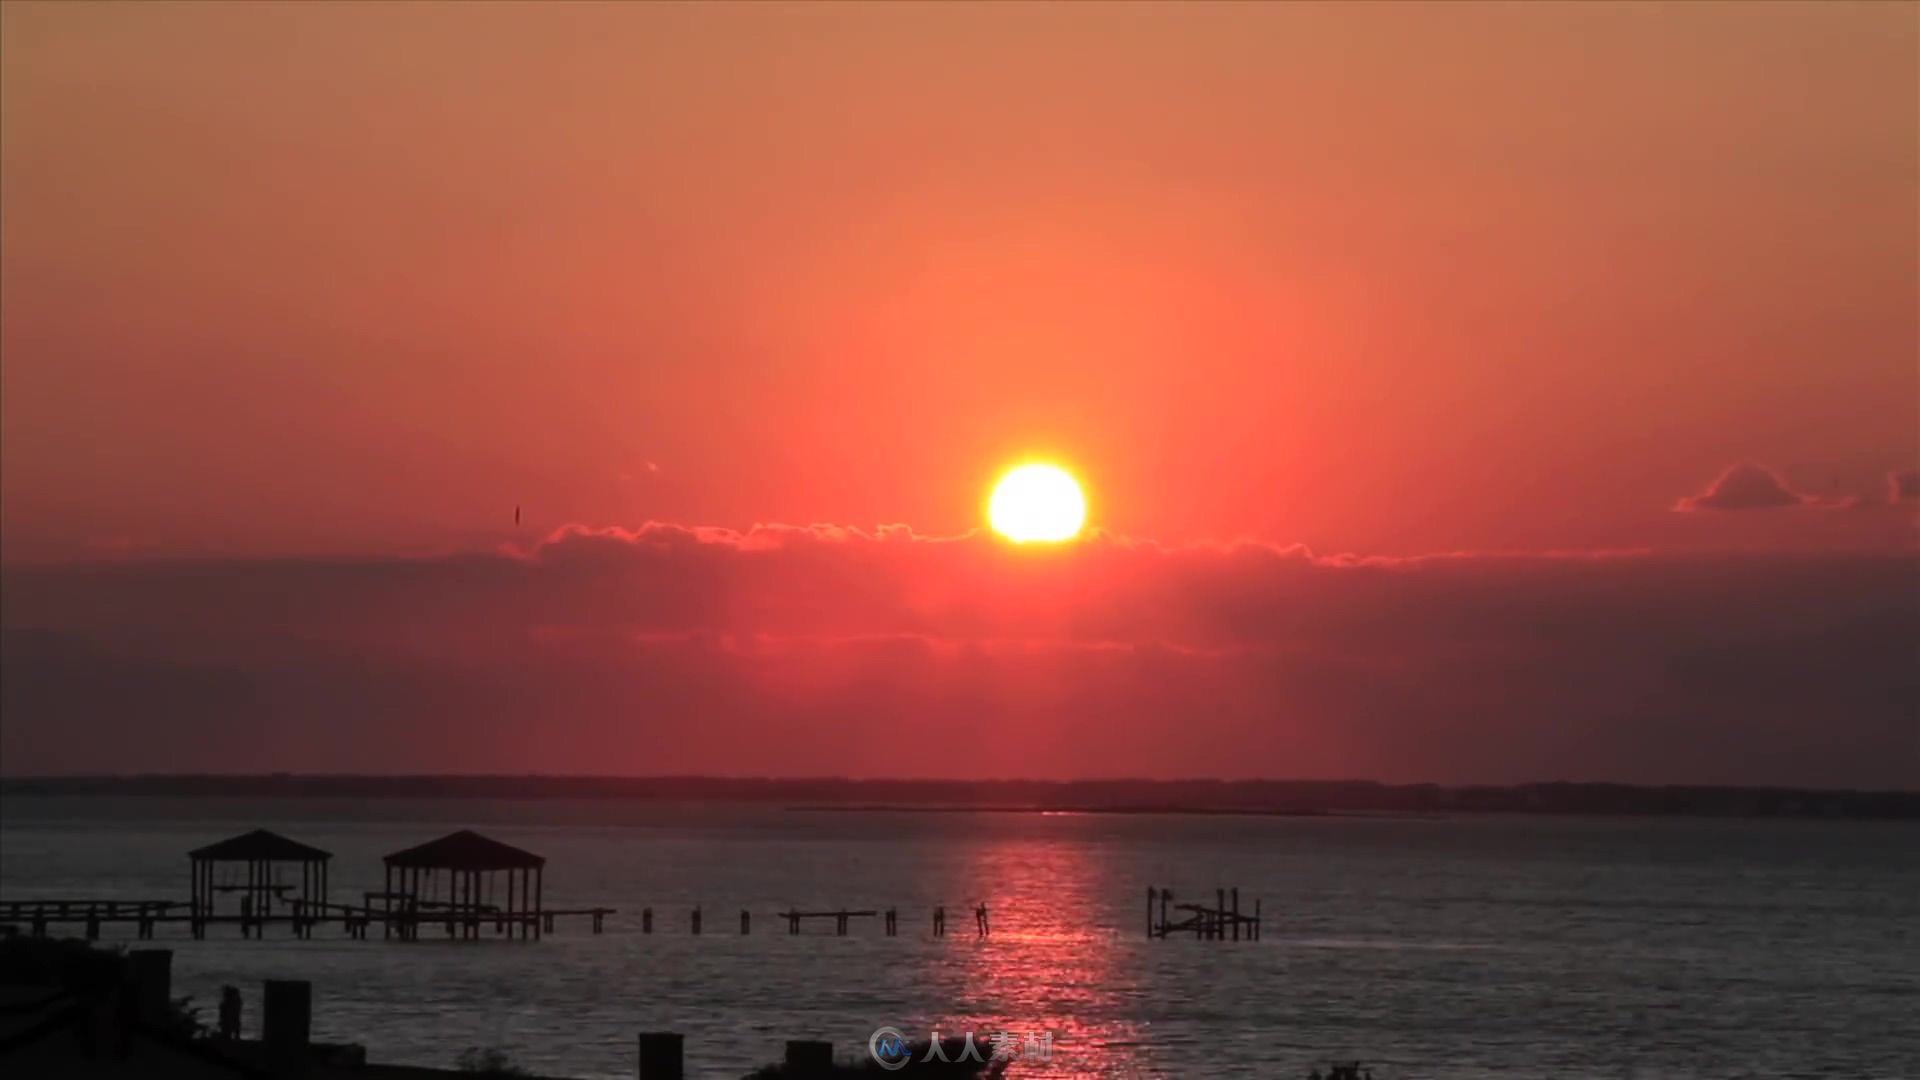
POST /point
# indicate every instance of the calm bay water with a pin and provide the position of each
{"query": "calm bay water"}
(1434, 948)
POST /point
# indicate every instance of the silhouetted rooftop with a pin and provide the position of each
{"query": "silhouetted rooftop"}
(466, 850)
(257, 845)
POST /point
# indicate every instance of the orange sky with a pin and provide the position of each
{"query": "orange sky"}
(328, 278)
(1462, 392)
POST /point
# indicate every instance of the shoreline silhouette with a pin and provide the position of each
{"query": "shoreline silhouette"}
(1272, 798)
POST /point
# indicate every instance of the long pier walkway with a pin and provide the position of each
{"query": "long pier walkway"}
(39, 916)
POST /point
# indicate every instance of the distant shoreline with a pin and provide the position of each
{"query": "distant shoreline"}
(1273, 798)
(923, 808)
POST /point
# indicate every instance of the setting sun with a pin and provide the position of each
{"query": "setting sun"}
(1037, 503)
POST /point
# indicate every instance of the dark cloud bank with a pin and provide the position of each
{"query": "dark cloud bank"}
(812, 651)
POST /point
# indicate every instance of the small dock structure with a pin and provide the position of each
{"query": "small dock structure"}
(263, 854)
(1223, 921)
(469, 866)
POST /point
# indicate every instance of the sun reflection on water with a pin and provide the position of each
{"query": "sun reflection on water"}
(1047, 966)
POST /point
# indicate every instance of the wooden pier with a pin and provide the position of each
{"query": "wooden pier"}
(840, 918)
(93, 914)
(461, 885)
(40, 917)
(1221, 922)
(401, 917)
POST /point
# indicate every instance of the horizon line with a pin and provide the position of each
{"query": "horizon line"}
(7, 779)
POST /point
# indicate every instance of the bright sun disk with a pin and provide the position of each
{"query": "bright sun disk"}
(1037, 503)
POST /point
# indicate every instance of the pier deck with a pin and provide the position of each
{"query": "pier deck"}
(39, 916)
(840, 919)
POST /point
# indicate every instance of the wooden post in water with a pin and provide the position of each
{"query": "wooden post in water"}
(746, 927)
(939, 922)
(646, 920)
(696, 920)
(809, 1057)
(1256, 918)
(1236, 913)
(286, 1018)
(661, 1056)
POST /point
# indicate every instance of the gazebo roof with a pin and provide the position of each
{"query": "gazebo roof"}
(466, 850)
(259, 845)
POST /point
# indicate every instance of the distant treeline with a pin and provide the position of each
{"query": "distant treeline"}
(1110, 796)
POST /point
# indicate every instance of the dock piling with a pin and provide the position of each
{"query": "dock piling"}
(149, 976)
(286, 1016)
(809, 1057)
(662, 1056)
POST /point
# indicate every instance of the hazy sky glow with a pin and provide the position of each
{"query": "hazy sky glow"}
(1615, 307)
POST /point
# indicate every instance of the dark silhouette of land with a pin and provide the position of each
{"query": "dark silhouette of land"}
(1282, 797)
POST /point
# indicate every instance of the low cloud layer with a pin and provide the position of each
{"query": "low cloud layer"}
(814, 650)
